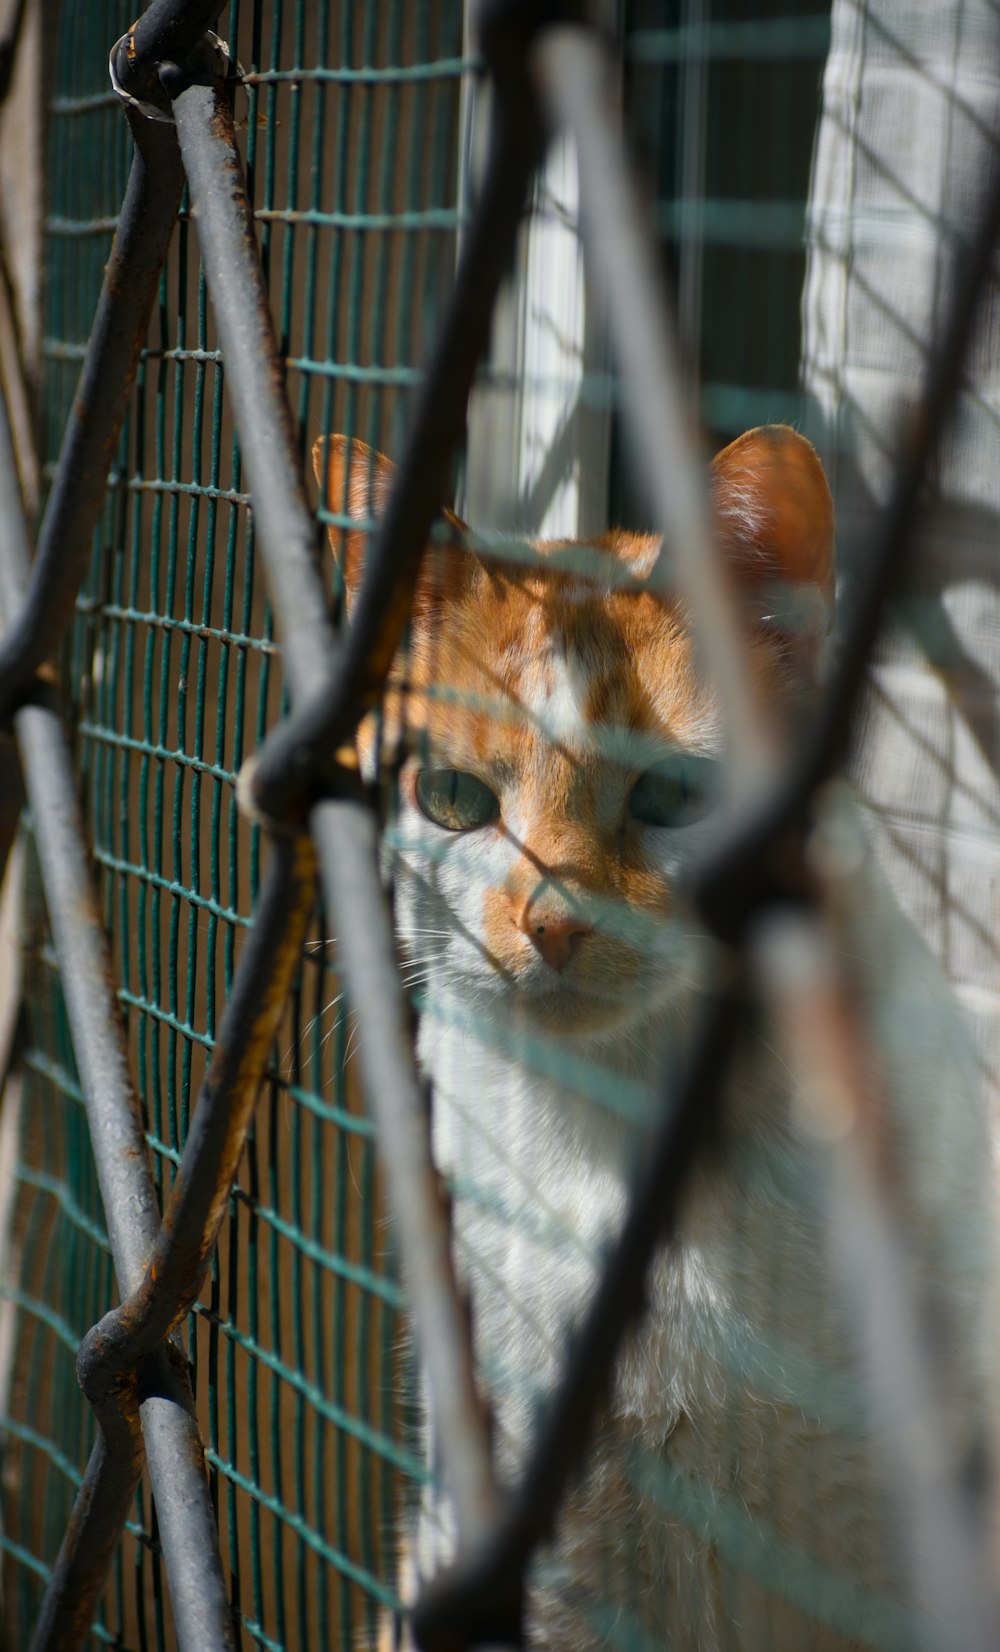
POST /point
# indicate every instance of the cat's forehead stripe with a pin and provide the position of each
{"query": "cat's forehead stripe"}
(554, 694)
(618, 661)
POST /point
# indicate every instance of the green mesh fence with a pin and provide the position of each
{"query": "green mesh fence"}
(723, 101)
(349, 120)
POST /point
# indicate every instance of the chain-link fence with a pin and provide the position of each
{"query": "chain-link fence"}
(317, 221)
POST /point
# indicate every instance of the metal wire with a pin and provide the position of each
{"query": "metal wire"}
(344, 834)
(177, 897)
(320, 727)
(127, 1191)
(575, 81)
(941, 1524)
(133, 272)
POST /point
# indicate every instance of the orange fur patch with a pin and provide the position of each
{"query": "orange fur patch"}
(558, 689)
(466, 697)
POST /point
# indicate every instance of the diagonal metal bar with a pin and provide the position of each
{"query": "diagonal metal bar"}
(127, 1373)
(123, 1365)
(284, 525)
(97, 1036)
(481, 1598)
(118, 1144)
(158, 1391)
(761, 860)
(139, 249)
(344, 832)
(139, 1384)
(176, 1263)
(733, 881)
(296, 760)
(346, 837)
(130, 1205)
(573, 76)
(803, 981)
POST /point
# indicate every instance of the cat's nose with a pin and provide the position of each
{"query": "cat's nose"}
(554, 934)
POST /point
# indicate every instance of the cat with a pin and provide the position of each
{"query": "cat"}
(559, 759)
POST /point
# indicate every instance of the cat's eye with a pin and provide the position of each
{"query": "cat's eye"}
(455, 799)
(675, 793)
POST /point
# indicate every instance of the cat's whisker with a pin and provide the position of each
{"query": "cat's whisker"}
(426, 960)
(327, 1037)
(350, 1046)
(330, 1005)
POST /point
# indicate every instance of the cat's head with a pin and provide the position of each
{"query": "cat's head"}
(562, 746)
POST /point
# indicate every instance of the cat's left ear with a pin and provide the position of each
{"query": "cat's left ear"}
(357, 481)
(774, 512)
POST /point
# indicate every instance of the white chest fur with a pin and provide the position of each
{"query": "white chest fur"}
(733, 1496)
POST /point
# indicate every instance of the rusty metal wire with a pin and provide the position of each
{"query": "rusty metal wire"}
(296, 761)
(149, 212)
(126, 1185)
(344, 831)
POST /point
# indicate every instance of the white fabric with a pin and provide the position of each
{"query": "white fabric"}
(907, 143)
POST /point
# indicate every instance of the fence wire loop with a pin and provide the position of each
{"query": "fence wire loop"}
(224, 64)
(43, 690)
(337, 778)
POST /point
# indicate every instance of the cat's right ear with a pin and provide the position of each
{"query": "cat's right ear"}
(356, 481)
(774, 513)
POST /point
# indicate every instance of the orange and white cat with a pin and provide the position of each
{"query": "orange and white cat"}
(561, 753)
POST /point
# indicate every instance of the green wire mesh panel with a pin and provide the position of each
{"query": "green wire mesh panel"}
(723, 100)
(349, 117)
